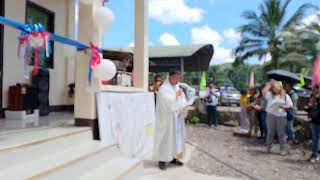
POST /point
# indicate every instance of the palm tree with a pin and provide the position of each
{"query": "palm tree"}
(262, 35)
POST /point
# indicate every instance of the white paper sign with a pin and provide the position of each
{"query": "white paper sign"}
(127, 119)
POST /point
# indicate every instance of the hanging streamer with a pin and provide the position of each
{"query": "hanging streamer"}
(34, 42)
(30, 46)
(95, 59)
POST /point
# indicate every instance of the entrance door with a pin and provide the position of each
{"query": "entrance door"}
(1, 49)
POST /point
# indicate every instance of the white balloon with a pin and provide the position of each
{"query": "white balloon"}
(106, 70)
(103, 18)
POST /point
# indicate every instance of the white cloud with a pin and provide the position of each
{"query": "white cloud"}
(267, 57)
(313, 18)
(222, 56)
(207, 35)
(131, 44)
(174, 11)
(232, 35)
(167, 39)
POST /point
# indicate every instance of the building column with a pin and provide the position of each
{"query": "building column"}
(85, 102)
(141, 49)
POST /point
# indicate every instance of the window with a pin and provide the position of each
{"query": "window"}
(37, 14)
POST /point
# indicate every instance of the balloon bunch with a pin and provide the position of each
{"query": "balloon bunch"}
(102, 69)
(34, 43)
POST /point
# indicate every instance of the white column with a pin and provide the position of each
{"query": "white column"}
(141, 54)
(84, 107)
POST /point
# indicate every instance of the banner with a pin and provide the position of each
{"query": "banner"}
(127, 119)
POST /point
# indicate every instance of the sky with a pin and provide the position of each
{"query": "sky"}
(180, 22)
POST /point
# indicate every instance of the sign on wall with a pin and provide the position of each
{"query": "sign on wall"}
(127, 119)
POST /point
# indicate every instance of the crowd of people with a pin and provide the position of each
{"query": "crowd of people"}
(270, 109)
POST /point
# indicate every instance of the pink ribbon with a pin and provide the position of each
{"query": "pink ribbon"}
(94, 60)
(95, 57)
(36, 61)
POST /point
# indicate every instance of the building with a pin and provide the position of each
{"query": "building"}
(60, 17)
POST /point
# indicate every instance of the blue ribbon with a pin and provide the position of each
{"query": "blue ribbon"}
(28, 28)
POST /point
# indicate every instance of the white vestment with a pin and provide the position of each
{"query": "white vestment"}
(170, 124)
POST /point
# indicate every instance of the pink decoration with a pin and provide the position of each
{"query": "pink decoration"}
(316, 72)
(95, 59)
(36, 41)
(251, 81)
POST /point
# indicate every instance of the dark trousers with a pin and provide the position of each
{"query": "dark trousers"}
(212, 115)
(315, 138)
(263, 123)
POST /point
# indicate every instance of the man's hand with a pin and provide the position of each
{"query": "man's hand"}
(284, 107)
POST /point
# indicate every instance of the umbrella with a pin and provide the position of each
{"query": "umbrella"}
(293, 78)
(282, 75)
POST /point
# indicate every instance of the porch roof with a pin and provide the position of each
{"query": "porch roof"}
(165, 58)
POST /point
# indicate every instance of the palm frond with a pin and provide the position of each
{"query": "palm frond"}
(284, 10)
(297, 17)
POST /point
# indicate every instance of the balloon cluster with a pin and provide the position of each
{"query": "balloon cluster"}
(100, 69)
(34, 43)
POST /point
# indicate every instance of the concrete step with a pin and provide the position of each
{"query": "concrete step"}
(108, 164)
(30, 153)
(50, 162)
(63, 153)
(117, 168)
(24, 138)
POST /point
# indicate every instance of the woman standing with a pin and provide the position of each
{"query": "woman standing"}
(262, 114)
(244, 120)
(277, 103)
(253, 113)
(314, 113)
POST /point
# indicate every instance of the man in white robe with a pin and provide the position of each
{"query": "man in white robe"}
(169, 143)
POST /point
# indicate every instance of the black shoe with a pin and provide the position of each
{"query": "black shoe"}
(176, 162)
(163, 165)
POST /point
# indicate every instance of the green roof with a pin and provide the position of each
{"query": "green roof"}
(174, 51)
(166, 51)
(163, 58)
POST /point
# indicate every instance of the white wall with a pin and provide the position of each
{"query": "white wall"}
(62, 73)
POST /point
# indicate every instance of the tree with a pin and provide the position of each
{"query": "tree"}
(262, 35)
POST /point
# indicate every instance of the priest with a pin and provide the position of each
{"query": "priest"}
(169, 143)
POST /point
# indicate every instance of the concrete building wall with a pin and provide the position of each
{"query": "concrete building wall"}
(63, 72)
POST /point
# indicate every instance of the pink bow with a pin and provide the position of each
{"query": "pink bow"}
(95, 57)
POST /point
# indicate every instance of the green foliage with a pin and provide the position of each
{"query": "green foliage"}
(236, 77)
(193, 120)
(263, 34)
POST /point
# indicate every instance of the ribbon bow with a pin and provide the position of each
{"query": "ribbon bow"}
(95, 59)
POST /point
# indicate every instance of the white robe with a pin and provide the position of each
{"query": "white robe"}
(166, 145)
